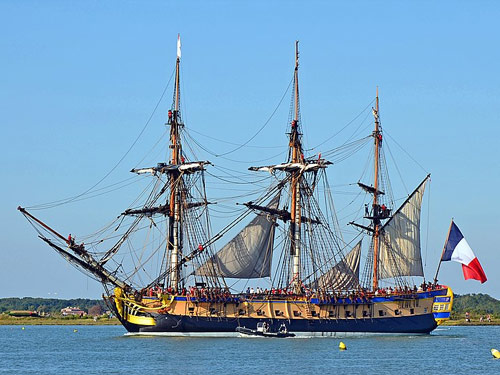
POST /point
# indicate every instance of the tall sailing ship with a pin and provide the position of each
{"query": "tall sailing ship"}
(162, 273)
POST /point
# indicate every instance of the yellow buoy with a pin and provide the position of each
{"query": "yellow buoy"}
(23, 330)
(342, 346)
(495, 353)
(75, 330)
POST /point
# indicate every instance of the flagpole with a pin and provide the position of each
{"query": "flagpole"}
(442, 253)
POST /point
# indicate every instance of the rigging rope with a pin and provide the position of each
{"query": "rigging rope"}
(262, 127)
(407, 153)
(428, 221)
(345, 126)
(71, 199)
(229, 159)
(227, 142)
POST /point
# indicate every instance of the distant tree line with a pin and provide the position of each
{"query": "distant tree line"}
(50, 305)
(476, 304)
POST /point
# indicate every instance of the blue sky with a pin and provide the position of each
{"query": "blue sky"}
(80, 79)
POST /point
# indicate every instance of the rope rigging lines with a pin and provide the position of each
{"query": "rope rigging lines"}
(71, 199)
(138, 242)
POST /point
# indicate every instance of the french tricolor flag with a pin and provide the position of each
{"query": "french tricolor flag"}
(457, 249)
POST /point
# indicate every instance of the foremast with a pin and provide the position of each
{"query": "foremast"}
(297, 156)
(177, 197)
(377, 135)
(174, 120)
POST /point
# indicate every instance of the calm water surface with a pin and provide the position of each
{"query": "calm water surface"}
(105, 350)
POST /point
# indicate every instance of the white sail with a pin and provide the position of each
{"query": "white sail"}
(400, 240)
(344, 275)
(249, 254)
(294, 167)
(186, 168)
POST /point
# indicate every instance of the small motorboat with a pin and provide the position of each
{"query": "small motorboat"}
(263, 330)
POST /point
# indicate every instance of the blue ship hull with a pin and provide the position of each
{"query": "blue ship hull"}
(181, 324)
(171, 324)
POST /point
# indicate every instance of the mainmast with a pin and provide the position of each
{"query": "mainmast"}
(296, 167)
(174, 244)
(296, 157)
(377, 135)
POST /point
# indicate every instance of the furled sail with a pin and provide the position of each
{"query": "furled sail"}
(400, 239)
(344, 275)
(294, 167)
(249, 254)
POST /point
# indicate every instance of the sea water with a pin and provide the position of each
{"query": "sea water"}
(107, 350)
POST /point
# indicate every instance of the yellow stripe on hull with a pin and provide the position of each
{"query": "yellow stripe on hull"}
(128, 309)
(141, 320)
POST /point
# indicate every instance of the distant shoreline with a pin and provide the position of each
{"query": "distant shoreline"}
(33, 321)
(462, 323)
